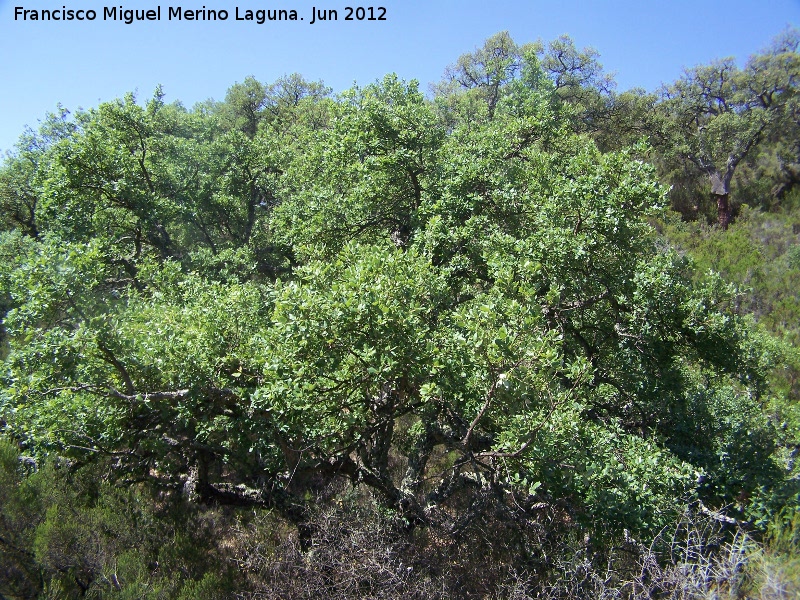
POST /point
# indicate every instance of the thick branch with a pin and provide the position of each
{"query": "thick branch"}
(109, 357)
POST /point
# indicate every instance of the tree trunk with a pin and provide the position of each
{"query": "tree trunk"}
(723, 210)
(196, 489)
(720, 191)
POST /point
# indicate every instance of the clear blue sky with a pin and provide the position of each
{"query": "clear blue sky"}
(81, 64)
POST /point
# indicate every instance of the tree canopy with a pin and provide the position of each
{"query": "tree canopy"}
(461, 304)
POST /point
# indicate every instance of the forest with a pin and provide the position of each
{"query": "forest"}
(519, 335)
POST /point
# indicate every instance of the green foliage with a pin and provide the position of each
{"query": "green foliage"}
(758, 255)
(71, 535)
(718, 116)
(365, 176)
(460, 305)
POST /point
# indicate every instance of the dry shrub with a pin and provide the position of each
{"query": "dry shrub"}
(359, 550)
(356, 552)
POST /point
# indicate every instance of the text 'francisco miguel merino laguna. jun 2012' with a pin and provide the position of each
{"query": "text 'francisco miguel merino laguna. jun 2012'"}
(178, 13)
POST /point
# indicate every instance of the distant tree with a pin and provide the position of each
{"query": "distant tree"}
(486, 71)
(579, 82)
(475, 86)
(718, 113)
(245, 105)
(292, 100)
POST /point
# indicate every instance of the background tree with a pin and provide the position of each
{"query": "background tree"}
(719, 113)
(579, 82)
(486, 71)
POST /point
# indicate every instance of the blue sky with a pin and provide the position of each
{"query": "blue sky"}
(80, 64)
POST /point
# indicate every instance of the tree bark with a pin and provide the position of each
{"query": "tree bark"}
(720, 192)
(723, 210)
